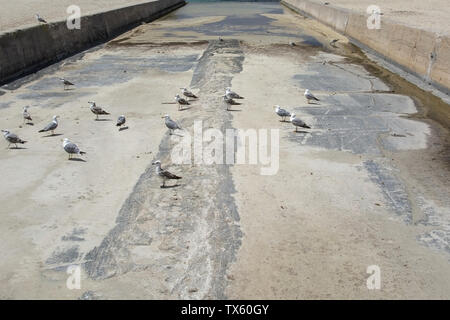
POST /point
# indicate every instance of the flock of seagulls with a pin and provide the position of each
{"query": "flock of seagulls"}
(296, 122)
(72, 149)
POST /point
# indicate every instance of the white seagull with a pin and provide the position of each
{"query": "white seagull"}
(26, 115)
(12, 138)
(51, 126)
(66, 83)
(298, 122)
(232, 94)
(309, 96)
(282, 113)
(172, 125)
(164, 174)
(71, 148)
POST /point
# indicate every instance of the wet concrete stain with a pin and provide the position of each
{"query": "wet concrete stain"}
(193, 238)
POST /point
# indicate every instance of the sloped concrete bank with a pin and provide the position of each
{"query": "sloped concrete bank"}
(24, 51)
(420, 52)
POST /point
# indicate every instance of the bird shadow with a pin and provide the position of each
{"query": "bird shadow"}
(170, 187)
(69, 89)
(53, 135)
(316, 103)
(102, 120)
(18, 148)
(184, 108)
(234, 110)
(175, 134)
(30, 123)
(284, 121)
(77, 159)
(301, 131)
(123, 128)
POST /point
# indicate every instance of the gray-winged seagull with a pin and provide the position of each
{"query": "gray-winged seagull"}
(298, 122)
(12, 138)
(71, 148)
(26, 115)
(51, 126)
(66, 83)
(181, 101)
(282, 113)
(164, 174)
(309, 96)
(188, 93)
(121, 121)
(229, 101)
(39, 19)
(172, 125)
(232, 94)
(97, 110)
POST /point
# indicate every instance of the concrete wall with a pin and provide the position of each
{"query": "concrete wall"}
(417, 51)
(27, 50)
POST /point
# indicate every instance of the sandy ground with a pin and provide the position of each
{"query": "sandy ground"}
(22, 13)
(429, 15)
(367, 185)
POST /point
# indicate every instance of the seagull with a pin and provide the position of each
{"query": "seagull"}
(66, 83)
(26, 114)
(181, 101)
(172, 125)
(333, 42)
(120, 121)
(12, 138)
(309, 96)
(232, 94)
(282, 113)
(71, 148)
(96, 110)
(51, 126)
(298, 122)
(220, 38)
(39, 19)
(164, 174)
(229, 101)
(188, 93)
(292, 44)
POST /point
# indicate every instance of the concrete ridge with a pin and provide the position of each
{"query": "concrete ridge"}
(423, 53)
(24, 51)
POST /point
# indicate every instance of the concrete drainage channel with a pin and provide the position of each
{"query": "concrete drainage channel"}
(200, 229)
(25, 51)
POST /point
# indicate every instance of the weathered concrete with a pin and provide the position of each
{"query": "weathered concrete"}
(25, 50)
(421, 52)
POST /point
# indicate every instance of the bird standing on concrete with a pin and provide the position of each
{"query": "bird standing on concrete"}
(51, 126)
(164, 174)
(309, 96)
(181, 101)
(12, 138)
(120, 121)
(26, 115)
(229, 101)
(232, 94)
(298, 122)
(172, 125)
(97, 110)
(71, 148)
(282, 113)
(188, 93)
(39, 19)
(66, 83)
